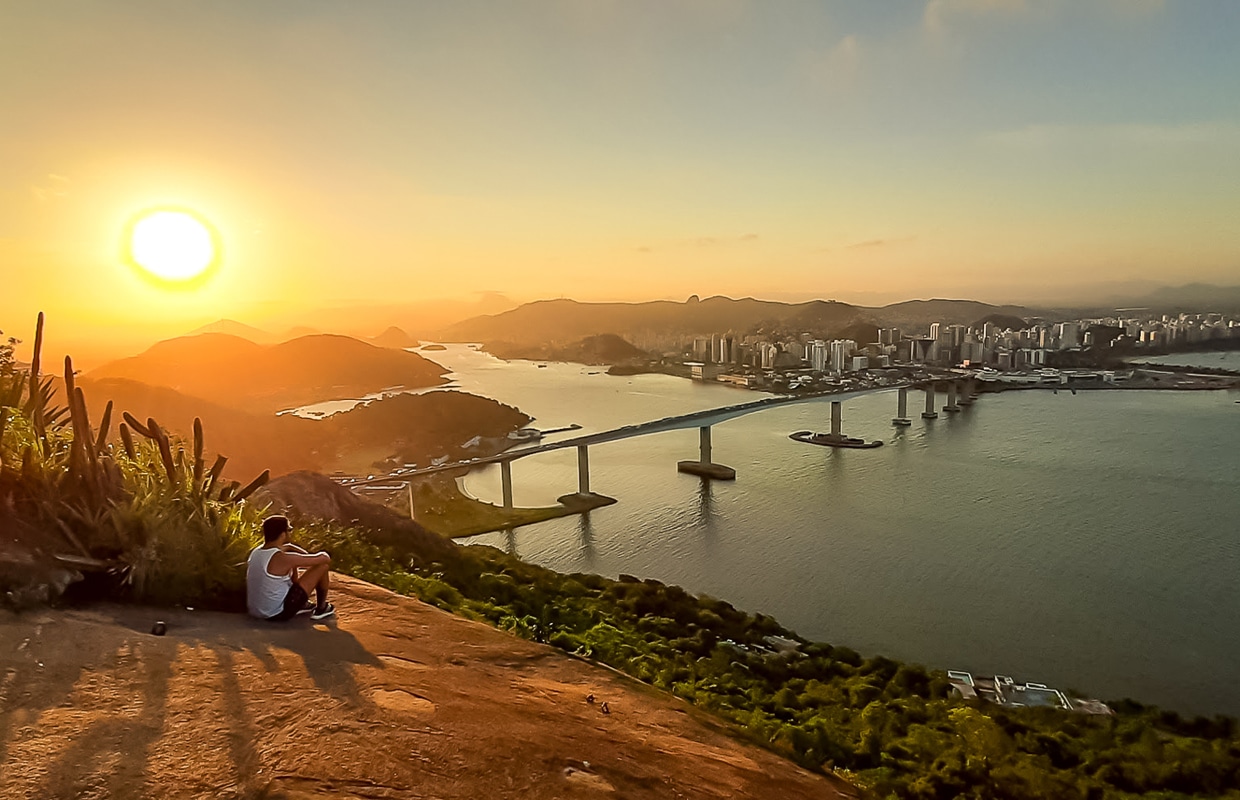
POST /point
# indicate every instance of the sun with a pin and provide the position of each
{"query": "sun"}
(173, 246)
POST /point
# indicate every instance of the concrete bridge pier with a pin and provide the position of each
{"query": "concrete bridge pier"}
(951, 406)
(505, 473)
(837, 414)
(901, 418)
(968, 393)
(704, 466)
(583, 469)
(930, 413)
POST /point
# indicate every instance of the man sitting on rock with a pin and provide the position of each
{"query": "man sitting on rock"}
(280, 575)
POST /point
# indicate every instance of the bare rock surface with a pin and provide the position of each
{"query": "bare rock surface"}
(394, 699)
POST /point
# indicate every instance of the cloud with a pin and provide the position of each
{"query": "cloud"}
(51, 188)
(872, 243)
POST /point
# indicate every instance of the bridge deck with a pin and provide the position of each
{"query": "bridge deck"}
(697, 419)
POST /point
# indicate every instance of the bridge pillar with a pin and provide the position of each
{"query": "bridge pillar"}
(901, 418)
(704, 466)
(837, 413)
(951, 406)
(505, 472)
(967, 393)
(930, 413)
(583, 469)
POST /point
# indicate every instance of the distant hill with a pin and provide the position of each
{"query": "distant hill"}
(394, 337)
(604, 348)
(239, 329)
(1002, 321)
(240, 374)
(562, 323)
(404, 427)
(559, 324)
(252, 442)
(914, 314)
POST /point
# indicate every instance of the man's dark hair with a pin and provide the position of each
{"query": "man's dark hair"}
(273, 527)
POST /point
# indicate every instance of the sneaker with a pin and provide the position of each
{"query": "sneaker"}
(326, 611)
(307, 609)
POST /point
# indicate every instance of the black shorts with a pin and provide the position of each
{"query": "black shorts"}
(294, 601)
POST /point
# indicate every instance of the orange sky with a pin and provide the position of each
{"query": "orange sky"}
(400, 152)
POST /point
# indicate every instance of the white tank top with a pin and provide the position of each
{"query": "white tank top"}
(264, 592)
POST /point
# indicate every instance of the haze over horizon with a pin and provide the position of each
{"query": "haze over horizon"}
(1000, 150)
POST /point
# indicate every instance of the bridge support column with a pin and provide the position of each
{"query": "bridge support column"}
(967, 393)
(901, 419)
(930, 413)
(505, 472)
(583, 469)
(951, 406)
(837, 414)
(704, 466)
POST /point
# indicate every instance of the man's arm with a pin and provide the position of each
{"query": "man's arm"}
(285, 562)
(292, 548)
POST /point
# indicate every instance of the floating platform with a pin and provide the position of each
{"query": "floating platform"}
(827, 440)
(717, 472)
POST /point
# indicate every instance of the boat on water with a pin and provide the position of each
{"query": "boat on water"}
(827, 440)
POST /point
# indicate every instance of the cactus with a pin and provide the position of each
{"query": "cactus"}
(127, 441)
(102, 442)
(137, 427)
(198, 442)
(253, 486)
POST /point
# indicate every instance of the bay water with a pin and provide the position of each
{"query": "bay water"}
(1087, 541)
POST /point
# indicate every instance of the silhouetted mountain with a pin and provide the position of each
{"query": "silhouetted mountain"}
(234, 328)
(605, 348)
(237, 373)
(562, 323)
(421, 319)
(915, 314)
(252, 442)
(394, 337)
(1002, 322)
(406, 428)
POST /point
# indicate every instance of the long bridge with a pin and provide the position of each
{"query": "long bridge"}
(960, 392)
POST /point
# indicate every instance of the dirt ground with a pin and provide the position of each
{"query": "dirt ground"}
(396, 699)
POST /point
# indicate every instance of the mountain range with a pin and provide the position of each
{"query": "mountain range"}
(262, 378)
(564, 322)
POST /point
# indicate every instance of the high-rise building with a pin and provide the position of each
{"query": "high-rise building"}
(819, 355)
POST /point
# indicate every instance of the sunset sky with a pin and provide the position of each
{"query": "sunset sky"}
(383, 152)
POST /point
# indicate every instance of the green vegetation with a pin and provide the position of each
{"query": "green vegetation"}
(170, 529)
(889, 726)
(146, 516)
(440, 506)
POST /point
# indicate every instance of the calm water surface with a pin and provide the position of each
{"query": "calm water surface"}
(1088, 542)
